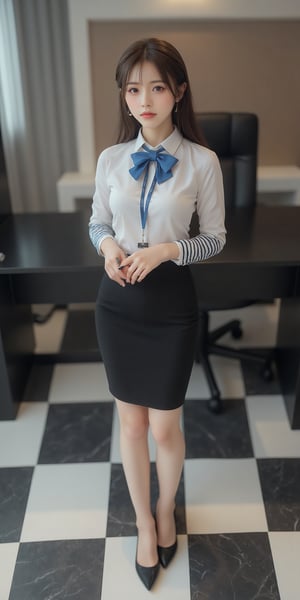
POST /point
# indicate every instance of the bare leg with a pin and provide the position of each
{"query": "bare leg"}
(134, 424)
(165, 427)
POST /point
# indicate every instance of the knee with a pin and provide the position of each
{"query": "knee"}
(163, 435)
(134, 428)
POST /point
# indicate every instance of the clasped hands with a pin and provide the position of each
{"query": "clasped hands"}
(135, 267)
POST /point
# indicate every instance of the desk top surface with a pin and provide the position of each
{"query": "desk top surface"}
(267, 235)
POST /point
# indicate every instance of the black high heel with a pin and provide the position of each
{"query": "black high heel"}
(165, 555)
(147, 575)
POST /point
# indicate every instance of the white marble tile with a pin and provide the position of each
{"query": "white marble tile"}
(223, 496)
(121, 581)
(197, 388)
(259, 324)
(272, 436)
(8, 555)
(115, 456)
(67, 502)
(79, 382)
(285, 548)
(20, 439)
(228, 376)
(48, 336)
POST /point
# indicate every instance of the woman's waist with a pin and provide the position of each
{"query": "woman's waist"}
(167, 285)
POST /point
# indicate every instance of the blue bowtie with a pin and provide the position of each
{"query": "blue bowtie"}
(164, 163)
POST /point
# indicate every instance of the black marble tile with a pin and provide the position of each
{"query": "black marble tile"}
(280, 484)
(235, 566)
(225, 435)
(121, 516)
(59, 569)
(14, 490)
(77, 433)
(254, 382)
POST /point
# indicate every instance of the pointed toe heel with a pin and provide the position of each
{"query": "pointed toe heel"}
(147, 575)
(165, 555)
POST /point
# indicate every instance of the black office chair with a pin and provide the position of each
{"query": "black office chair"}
(234, 138)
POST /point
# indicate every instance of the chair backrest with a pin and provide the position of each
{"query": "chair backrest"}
(234, 138)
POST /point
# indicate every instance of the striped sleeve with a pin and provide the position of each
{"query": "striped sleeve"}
(198, 248)
(98, 233)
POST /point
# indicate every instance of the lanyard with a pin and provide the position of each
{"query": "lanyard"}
(144, 205)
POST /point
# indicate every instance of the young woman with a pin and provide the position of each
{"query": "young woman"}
(147, 187)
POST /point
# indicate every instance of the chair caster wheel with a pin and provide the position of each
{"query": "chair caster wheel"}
(236, 332)
(267, 373)
(215, 405)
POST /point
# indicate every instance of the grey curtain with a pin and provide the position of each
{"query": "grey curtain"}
(37, 116)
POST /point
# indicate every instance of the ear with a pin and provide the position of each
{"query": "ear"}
(180, 91)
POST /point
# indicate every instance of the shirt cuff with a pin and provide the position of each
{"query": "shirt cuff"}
(104, 237)
(178, 261)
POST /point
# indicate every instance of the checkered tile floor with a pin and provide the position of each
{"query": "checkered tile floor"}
(66, 522)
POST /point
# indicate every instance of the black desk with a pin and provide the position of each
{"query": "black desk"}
(49, 259)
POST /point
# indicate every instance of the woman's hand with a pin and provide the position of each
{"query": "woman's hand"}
(139, 264)
(113, 256)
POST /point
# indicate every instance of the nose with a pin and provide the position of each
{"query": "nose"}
(145, 99)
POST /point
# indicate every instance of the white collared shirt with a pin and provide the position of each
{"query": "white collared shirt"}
(196, 184)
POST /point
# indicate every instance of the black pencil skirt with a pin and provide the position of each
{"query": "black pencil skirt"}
(146, 334)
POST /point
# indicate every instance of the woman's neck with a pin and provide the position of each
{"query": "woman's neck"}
(154, 137)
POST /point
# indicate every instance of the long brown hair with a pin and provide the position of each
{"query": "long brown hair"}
(173, 71)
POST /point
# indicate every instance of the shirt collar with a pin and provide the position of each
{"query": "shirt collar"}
(170, 144)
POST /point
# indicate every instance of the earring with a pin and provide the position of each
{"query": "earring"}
(176, 107)
(129, 113)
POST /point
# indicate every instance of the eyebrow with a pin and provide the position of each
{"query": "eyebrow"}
(139, 83)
